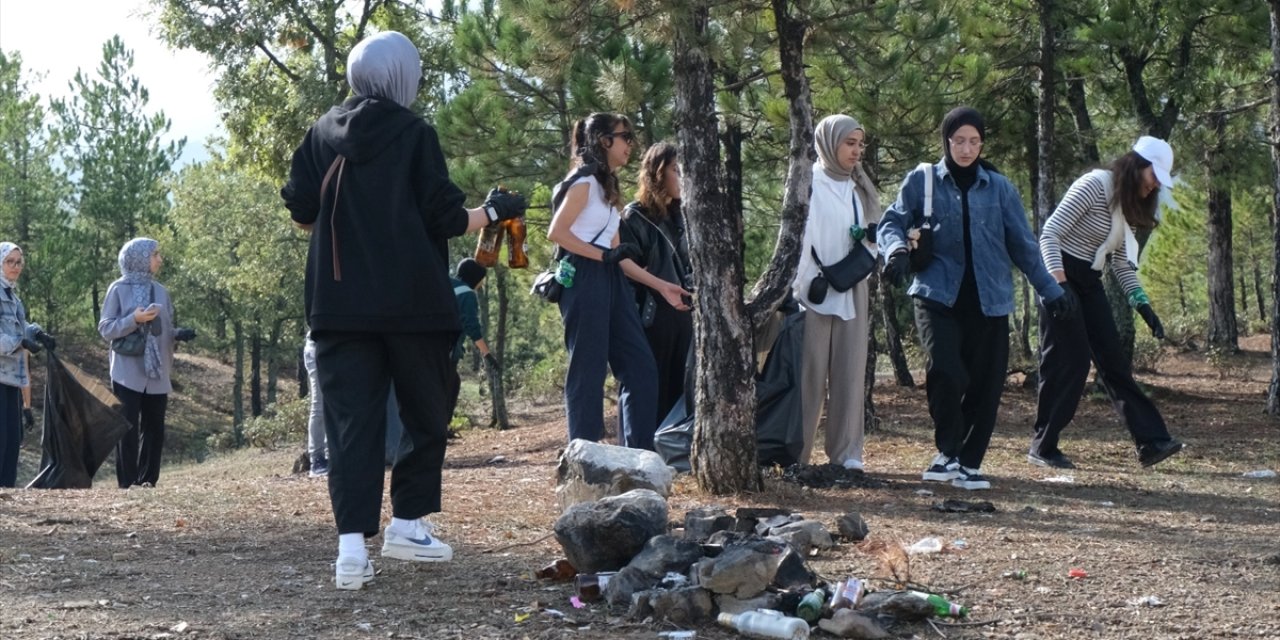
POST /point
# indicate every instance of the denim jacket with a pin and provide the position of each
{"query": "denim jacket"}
(13, 358)
(998, 231)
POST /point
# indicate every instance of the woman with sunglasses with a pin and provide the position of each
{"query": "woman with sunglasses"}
(964, 293)
(17, 338)
(1096, 219)
(602, 328)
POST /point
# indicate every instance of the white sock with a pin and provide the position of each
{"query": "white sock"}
(352, 544)
(404, 526)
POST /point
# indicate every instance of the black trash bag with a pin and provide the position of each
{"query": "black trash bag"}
(674, 438)
(81, 428)
(779, 432)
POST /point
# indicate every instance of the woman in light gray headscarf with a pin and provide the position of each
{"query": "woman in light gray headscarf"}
(844, 208)
(137, 303)
(17, 337)
(370, 183)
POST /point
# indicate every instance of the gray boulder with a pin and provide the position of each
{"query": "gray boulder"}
(852, 526)
(684, 606)
(846, 623)
(743, 571)
(606, 534)
(700, 523)
(665, 554)
(589, 471)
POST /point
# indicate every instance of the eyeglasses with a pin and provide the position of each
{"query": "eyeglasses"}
(971, 143)
(10, 262)
(626, 136)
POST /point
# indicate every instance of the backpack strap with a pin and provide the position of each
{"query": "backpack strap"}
(927, 168)
(338, 164)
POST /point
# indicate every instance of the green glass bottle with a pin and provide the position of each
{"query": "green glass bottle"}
(810, 607)
(942, 607)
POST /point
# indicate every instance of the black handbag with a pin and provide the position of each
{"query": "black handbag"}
(547, 287)
(135, 343)
(850, 270)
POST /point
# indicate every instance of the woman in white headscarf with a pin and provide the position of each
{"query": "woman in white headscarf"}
(136, 303)
(844, 208)
(17, 338)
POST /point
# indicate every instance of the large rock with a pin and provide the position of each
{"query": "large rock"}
(590, 471)
(846, 623)
(802, 535)
(606, 534)
(743, 571)
(666, 554)
(700, 523)
(684, 606)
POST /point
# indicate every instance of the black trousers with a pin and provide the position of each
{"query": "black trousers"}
(1066, 349)
(967, 358)
(670, 338)
(356, 370)
(138, 452)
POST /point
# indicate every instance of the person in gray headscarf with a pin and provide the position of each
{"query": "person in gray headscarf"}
(17, 338)
(369, 181)
(137, 304)
(844, 208)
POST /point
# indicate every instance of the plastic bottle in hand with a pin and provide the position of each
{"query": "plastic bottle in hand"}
(766, 624)
(516, 233)
(810, 607)
(488, 244)
(942, 607)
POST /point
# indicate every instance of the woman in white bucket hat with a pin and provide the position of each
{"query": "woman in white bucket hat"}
(1095, 222)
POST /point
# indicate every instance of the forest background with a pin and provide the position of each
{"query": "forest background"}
(1065, 86)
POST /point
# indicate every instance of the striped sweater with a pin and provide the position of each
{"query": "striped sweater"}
(1079, 226)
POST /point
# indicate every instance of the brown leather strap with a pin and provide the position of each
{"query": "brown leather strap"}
(338, 164)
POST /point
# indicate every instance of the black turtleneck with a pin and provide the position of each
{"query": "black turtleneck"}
(966, 177)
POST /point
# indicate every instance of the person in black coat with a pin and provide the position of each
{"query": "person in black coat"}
(654, 224)
(370, 182)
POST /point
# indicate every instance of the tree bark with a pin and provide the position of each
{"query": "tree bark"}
(1084, 123)
(1223, 333)
(1273, 389)
(497, 386)
(723, 452)
(255, 374)
(893, 336)
(237, 385)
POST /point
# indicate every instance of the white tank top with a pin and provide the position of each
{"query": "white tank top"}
(599, 220)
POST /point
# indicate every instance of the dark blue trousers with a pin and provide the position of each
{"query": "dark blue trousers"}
(10, 433)
(602, 331)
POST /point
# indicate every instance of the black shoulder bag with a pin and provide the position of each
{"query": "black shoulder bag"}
(842, 275)
(135, 343)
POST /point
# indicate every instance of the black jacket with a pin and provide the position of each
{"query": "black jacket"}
(666, 260)
(378, 260)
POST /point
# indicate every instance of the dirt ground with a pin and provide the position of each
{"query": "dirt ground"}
(238, 547)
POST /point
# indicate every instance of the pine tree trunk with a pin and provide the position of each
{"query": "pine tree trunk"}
(237, 385)
(497, 388)
(1257, 287)
(1273, 389)
(1084, 124)
(893, 336)
(723, 453)
(1223, 333)
(255, 374)
(1045, 186)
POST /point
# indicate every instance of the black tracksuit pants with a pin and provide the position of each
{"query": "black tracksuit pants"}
(670, 338)
(356, 370)
(1066, 349)
(968, 356)
(138, 452)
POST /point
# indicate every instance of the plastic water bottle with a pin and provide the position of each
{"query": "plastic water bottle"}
(942, 607)
(762, 624)
(810, 607)
(564, 273)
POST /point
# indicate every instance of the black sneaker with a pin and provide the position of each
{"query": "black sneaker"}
(970, 479)
(1055, 460)
(1154, 453)
(942, 469)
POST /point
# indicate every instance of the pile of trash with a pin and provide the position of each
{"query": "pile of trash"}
(746, 570)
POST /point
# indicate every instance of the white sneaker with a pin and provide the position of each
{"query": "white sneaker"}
(419, 545)
(853, 464)
(353, 572)
(942, 469)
